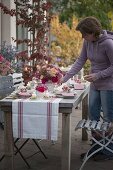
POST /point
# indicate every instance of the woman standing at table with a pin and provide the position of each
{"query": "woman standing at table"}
(98, 48)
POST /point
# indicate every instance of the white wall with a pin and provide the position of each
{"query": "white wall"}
(0, 25)
(8, 24)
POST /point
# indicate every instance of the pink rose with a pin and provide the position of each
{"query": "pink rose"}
(8, 63)
(54, 79)
(44, 80)
(41, 88)
(1, 58)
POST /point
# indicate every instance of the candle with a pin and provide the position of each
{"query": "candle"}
(34, 96)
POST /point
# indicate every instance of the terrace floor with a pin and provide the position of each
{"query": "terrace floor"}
(53, 152)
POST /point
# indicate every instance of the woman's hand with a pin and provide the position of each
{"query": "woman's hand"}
(90, 77)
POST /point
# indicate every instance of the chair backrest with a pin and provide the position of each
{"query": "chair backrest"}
(6, 86)
(93, 125)
(9, 83)
(17, 80)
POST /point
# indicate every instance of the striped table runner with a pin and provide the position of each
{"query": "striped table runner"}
(36, 119)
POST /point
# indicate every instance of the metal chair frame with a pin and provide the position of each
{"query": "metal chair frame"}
(100, 128)
(18, 150)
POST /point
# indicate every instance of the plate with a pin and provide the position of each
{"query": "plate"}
(66, 95)
(78, 86)
(24, 94)
(11, 97)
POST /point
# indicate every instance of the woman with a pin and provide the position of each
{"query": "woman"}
(98, 48)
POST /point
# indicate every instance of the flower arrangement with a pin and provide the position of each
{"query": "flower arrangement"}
(5, 66)
(48, 73)
(37, 22)
(8, 55)
(8, 51)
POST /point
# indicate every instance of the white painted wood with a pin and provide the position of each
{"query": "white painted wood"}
(8, 24)
(66, 141)
(17, 80)
(93, 124)
(0, 24)
(7, 85)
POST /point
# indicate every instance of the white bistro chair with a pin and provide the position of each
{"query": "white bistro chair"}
(6, 88)
(101, 128)
(17, 80)
(7, 85)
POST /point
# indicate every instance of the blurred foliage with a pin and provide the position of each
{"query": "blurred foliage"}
(87, 67)
(67, 42)
(110, 16)
(83, 8)
(66, 9)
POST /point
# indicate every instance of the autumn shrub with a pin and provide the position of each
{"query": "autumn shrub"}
(67, 43)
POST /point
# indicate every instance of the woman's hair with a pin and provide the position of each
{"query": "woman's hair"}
(90, 25)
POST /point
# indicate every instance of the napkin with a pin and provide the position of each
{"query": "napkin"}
(36, 119)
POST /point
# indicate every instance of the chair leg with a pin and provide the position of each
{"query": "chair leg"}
(21, 145)
(2, 158)
(36, 143)
(88, 156)
(2, 125)
(18, 151)
(20, 155)
(4, 155)
(39, 148)
(101, 143)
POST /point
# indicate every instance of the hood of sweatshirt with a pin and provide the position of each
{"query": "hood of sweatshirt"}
(105, 35)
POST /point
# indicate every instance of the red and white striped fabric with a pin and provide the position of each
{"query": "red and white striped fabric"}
(36, 119)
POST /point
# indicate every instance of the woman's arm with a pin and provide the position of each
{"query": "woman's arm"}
(77, 66)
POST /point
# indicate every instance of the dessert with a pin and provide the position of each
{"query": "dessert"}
(66, 88)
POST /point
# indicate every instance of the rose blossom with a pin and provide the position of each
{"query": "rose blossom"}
(41, 88)
(1, 58)
(54, 79)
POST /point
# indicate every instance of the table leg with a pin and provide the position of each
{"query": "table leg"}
(8, 142)
(66, 141)
(84, 115)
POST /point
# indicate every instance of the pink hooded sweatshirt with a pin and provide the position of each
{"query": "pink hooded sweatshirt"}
(100, 54)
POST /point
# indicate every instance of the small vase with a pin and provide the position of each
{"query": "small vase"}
(40, 94)
(50, 86)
